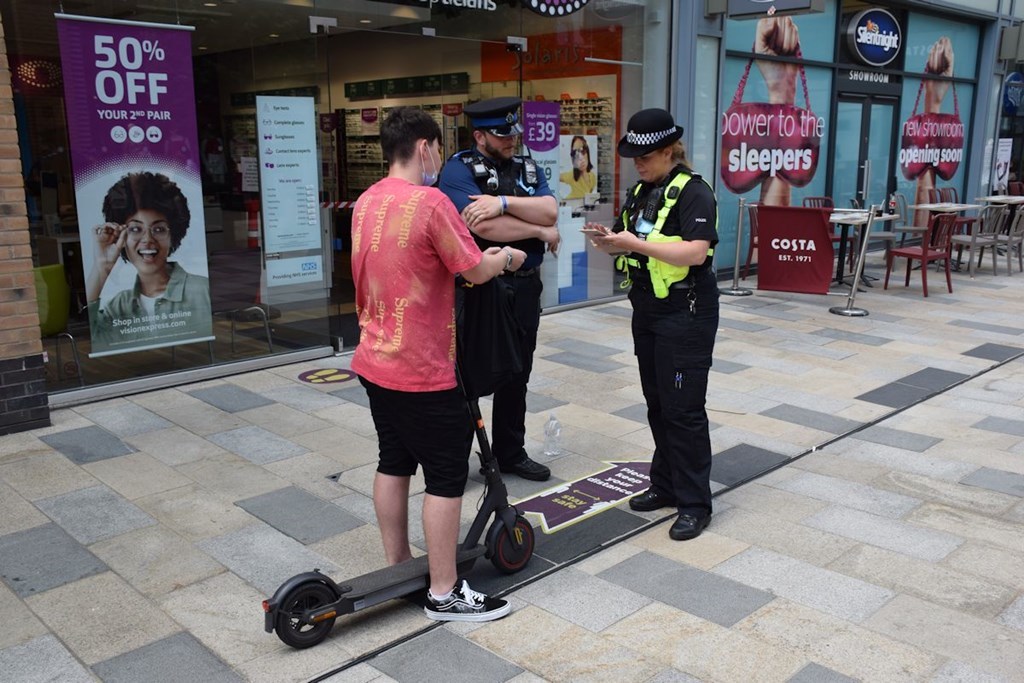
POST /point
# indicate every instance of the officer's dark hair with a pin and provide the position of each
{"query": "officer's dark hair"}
(576, 173)
(154, 191)
(402, 129)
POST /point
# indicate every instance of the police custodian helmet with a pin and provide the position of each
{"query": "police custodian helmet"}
(496, 116)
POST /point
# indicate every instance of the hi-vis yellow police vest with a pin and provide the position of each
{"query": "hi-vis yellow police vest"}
(663, 275)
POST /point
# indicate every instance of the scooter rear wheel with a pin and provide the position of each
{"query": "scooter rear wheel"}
(506, 557)
(288, 625)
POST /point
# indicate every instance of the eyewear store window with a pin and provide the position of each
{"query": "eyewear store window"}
(190, 166)
(809, 118)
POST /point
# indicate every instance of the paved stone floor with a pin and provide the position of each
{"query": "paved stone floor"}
(885, 542)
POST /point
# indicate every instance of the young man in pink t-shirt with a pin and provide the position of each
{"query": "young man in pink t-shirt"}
(408, 242)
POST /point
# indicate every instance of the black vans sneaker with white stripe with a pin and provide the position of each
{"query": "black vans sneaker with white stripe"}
(465, 604)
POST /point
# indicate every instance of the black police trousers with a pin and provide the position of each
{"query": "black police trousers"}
(508, 415)
(673, 343)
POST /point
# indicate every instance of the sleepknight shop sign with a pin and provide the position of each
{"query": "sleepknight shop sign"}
(134, 151)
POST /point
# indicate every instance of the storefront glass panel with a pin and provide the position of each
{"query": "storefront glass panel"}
(278, 273)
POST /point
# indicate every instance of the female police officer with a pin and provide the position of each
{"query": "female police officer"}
(665, 237)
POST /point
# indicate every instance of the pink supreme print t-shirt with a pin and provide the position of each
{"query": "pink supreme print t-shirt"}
(408, 242)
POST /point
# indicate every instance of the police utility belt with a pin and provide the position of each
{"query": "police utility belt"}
(663, 276)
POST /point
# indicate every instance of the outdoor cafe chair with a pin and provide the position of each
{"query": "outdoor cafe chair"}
(963, 224)
(851, 239)
(934, 247)
(1016, 187)
(982, 235)
(1012, 240)
(903, 223)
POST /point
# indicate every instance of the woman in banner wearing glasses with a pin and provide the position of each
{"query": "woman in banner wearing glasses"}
(664, 238)
(581, 179)
(146, 217)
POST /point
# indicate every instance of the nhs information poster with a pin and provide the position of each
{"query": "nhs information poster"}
(132, 131)
(289, 189)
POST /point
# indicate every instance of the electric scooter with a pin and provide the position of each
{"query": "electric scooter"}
(304, 608)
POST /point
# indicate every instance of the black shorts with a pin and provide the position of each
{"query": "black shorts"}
(431, 428)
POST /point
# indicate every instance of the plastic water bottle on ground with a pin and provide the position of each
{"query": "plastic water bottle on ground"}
(552, 436)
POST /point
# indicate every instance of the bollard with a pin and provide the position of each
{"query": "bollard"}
(849, 310)
(736, 290)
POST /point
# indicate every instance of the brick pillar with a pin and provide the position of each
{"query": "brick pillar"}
(23, 402)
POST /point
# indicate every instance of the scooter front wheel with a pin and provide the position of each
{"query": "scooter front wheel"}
(510, 554)
(289, 625)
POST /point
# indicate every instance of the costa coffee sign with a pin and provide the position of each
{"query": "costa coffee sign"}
(874, 37)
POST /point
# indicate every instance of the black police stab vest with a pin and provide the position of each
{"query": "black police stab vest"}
(518, 177)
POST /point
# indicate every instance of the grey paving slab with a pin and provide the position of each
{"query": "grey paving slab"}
(264, 556)
(585, 600)
(1001, 425)
(925, 544)
(811, 418)
(673, 676)
(728, 367)
(177, 658)
(703, 594)
(933, 378)
(584, 362)
(433, 657)
(86, 444)
(996, 352)
(302, 398)
(230, 398)
(816, 673)
(956, 671)
(741, 462)
(849, 494)
(986, 327)
(300, 514)
(124, 418)
(821, 589)
(583, 347)
(94, 514)
(856, 337)
(575, 540)
(742, 325)
(42, 660)
(897, 438)
(257, 445)
(996, 480)
(540, 403)
(1013, 616)
(636, 412)
(353, 394)
(906, 461)
(44, 557)
(895, 395)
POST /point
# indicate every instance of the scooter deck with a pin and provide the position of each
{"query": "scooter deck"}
(397, 581)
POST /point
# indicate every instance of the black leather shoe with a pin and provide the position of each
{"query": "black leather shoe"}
(651, 500)
(527, 469)
(688, 526)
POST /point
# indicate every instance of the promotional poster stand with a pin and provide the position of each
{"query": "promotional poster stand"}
(736, 290)
(867, 222)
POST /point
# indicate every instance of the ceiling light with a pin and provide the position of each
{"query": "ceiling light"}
(202, 48)
(209, 4)
(365, 21)
(275, 35)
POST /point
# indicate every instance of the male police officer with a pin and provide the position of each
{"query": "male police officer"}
(504, 199)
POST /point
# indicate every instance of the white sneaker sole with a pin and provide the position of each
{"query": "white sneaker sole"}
(469, 616)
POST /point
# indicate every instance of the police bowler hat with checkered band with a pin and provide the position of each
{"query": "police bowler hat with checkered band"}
(648, 130)
(497, 116)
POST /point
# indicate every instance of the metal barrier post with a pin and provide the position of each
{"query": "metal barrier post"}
(849, 310)
(736, 290)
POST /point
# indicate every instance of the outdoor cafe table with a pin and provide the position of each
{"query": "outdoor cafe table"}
(1008, 199)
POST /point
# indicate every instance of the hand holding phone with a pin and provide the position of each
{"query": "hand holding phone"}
(594, 229)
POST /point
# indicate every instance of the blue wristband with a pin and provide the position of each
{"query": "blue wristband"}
(504, 203)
